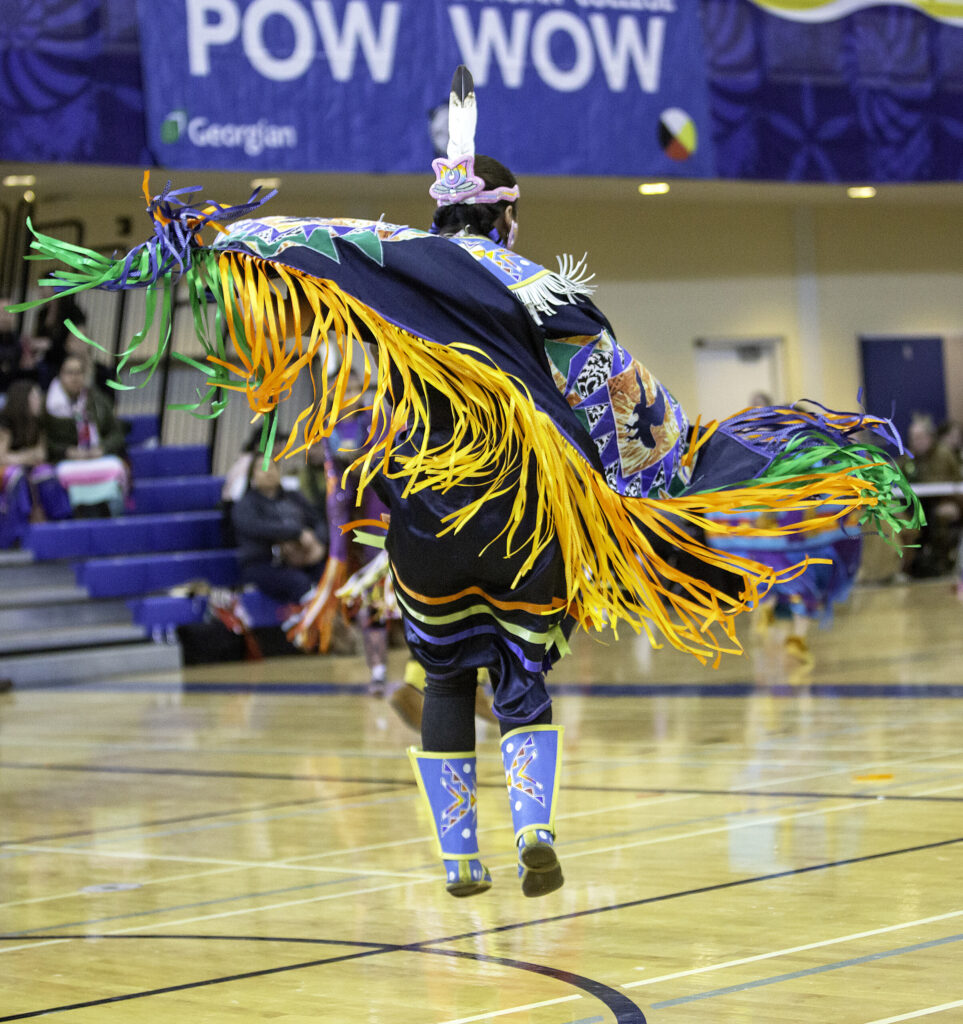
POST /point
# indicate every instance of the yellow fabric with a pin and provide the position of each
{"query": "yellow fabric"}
(613, 574)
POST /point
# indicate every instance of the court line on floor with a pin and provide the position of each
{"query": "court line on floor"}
(626, 1012)
(348, 802)
(809, 795)
(515, 1009)
(913, 1014)
(502, 928)
(789, 950)
(571, 915)
(411, 880)
(367, 798)
(293, 862)
(414, 873)
(12, 847)
(736, 791)
(727, 828)
(286, 688)
(200, 773)
(705, 889)
(781, 818)
(404, 782)
(806, 972)
(76, 893)
(144, 855)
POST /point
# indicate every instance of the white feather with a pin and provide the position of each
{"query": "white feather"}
(462, 114)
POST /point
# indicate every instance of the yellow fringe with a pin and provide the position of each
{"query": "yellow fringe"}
(613, 574)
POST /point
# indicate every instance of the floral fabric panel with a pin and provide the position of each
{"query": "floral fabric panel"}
(639, 429)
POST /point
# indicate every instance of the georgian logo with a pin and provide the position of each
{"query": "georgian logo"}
(173, 126)
(203, 133)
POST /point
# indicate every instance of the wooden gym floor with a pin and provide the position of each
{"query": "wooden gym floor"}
(762, 843)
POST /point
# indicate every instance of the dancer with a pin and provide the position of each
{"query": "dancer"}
(833, 553)
(534, 471)
(367, 591)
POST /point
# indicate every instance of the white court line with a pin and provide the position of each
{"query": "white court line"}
(512, 1009)
(792, 949)
(285, 865)
(92, 851)
(775, 820)
(919, 1013)
(566, 816)
(754, 823)
(78, 893)
(204, 918)
(410, 880)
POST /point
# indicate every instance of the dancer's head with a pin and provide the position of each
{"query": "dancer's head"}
(475, 193)
(497, 219)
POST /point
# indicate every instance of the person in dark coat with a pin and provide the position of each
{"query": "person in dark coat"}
(277, 533)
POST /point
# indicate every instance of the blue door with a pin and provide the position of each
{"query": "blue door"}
(903, 376)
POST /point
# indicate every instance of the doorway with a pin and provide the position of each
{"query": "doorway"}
(729, 371)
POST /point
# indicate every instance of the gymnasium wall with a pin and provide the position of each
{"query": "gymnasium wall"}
(672, 269)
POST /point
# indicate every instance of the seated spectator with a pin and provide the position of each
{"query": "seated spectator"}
(29, 489)
(36, 361)
(238, 475)
(278, 532)
(932, 463)
(9, 348)
(237, 479)
(96, 374)
(950, 436)
(52, 320)
(86, 440)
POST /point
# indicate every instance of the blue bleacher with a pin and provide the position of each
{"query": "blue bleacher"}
(172, 536)
(158, 612)
(87, 538)
(141, 428)
(129, 575)
(176, 494)
(169, 460)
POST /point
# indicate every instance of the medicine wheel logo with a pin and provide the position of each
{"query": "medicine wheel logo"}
(678, 136)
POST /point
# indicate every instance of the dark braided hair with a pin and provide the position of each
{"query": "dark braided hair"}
(478, 218)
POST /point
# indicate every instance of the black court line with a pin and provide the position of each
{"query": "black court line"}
(429, 945)
(702, 890)
(484, 784)
(731, 689)
(626, 1012)
(182, 819)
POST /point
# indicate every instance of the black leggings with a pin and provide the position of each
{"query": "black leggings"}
(448, 718)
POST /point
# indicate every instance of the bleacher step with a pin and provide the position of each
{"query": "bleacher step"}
(98, 664)
(29, 575)
(15, 556)
(73, 638)
(35, 596)
(83, 612)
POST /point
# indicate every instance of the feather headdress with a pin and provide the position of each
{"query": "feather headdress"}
(455, 178)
